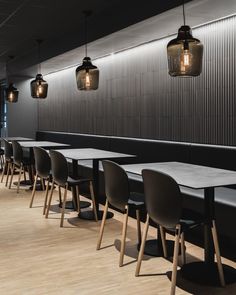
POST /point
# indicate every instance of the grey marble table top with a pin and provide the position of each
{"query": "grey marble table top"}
(90, 153)
(189, 175)
(31, 144)
(17, 138)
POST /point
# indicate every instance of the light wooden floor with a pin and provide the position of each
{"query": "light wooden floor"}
(38, 257)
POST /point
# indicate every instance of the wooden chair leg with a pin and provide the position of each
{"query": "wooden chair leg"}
(175, 260)
(217, 251)
(93, 200)
(163, 241)
(138, 227)
(102, 226)
(3, 170)
(50, 199)
(77, 199)
(63, 206)
(46, 198)
(141, 250)
(183, 252)
(12, 166)
(124, 231)
(33, 191)
(19, 177)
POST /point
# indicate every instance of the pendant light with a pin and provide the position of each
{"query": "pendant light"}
(11, 91)
(185, 53)
(87, 75)
(38, 86)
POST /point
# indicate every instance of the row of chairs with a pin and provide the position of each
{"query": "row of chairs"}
(163, 202)
(15, 160)
(51, 168)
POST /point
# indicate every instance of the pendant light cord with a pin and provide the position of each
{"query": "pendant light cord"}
(85, 33)
(86, 13)
(10, 57)
(184, 12)
(7, 71)
(39, 56)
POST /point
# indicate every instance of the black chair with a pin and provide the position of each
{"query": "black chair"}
(20, 162)
(8, 152)
(164, 206)
(42, 167)
(60, 174)
(119, 196)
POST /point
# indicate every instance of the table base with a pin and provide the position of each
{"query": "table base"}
(152, 248)
(70, 205)
(89, 215)
(23, 183)
(39, 186)
(207, 274)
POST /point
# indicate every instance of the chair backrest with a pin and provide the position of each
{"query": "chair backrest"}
(116, 184)
(42, 162)
(60, 170)
(7, 149)
(17, 152)
(162, 197)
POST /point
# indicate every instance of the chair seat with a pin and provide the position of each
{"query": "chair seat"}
(74, 182)
(189, 220)
(136, 199)
(27, 161)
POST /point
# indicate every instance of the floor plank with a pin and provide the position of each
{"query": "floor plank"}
(38, 257)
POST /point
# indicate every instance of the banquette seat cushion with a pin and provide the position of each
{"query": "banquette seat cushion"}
(160, 151)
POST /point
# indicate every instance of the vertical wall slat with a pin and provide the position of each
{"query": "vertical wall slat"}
(138, 98)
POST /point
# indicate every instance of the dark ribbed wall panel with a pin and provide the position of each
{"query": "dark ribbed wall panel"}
(138, 98)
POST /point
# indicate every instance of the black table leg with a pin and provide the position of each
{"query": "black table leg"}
(89, 214)
(75, 168)
(209, 212)
(27, 182)
(73, 204)
(154, 247)
(30, 181)
(206, 272)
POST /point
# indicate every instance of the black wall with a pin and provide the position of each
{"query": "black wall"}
(138, 98)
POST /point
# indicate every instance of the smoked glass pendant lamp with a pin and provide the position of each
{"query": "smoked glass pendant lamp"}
(185, 53)
(38, 86)
(87, 74)
(11, 91)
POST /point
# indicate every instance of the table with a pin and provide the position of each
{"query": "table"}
(17, 138)
(43, 144)
(95, 155)
(197, 177)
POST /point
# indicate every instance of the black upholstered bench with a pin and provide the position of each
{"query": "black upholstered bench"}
(161, 151)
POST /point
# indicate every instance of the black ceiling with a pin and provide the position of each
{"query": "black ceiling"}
(61, 24)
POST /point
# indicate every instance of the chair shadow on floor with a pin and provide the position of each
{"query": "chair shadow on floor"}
(56, 209)
(131, 250)
(199, 289)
